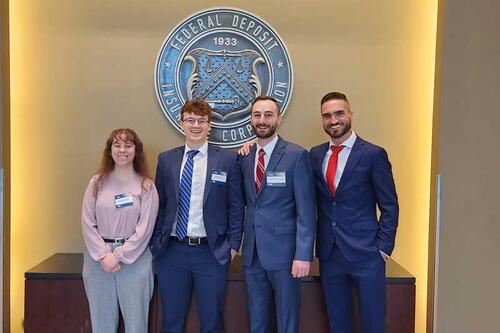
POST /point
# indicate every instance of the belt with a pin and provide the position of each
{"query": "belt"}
(115, 240)
(191, 240)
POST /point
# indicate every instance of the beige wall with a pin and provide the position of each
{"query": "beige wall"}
(82, 68)
(469, 162)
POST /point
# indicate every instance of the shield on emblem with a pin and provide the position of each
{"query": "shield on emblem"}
(227, 80)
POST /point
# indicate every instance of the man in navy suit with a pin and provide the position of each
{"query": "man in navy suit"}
(279, 223)
(353, 179)
(200, 222)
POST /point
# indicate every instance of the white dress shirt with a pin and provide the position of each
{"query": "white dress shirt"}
(269, 150)
(196, 227)
(343, 156)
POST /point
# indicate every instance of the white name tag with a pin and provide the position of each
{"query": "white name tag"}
(274, 178)
(219, 176)
(123, 200)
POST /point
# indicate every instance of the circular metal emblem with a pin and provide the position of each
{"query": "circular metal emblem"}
(227, 57)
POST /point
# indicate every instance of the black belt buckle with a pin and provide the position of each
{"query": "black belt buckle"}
(115, 241)
(192, 241)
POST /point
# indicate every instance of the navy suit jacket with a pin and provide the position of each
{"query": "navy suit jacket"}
(350, 218)
(223, 203)
(280, 221)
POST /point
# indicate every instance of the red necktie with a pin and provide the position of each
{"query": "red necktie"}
(259, 172)
(332, 167)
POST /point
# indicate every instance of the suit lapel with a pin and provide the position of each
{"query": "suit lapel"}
(176, 169)
(352, 161)
(276, 156)
(278, 152)
(213, 157)
(319, 166)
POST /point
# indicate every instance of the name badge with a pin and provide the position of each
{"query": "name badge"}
(277, 179)
(219, 176)
(123, 200)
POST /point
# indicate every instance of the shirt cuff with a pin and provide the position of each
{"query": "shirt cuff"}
(118, 252)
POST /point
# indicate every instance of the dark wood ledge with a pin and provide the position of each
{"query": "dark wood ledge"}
(68, 266)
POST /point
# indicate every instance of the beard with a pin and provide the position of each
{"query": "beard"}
(271, 129)
(338, 133)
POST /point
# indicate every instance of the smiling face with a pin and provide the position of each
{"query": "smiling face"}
(195, 129)
(122, 150)
(265, 118)
(336, 115)
(195, 122)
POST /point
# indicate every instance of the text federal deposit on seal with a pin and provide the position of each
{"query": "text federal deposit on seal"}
(226, 56)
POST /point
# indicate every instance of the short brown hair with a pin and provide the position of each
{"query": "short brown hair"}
(198, 107)
(334, 95)
(267, 98)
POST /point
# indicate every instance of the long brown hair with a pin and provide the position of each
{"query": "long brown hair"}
(107, 162)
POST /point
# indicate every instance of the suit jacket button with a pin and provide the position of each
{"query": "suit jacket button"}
(334, 223)
(334, 203)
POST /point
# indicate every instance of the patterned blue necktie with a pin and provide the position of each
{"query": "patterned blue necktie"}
(185, 195)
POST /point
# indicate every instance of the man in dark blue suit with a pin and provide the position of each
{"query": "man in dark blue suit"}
(279, 223)
(353, 179)
(200, 222)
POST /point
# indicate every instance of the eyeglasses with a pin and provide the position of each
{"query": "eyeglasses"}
(192, 121)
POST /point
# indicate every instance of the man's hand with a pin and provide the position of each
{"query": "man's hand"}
(233, 254)
(300, 268)
(384, 256)
(110, 263)
(245, 149)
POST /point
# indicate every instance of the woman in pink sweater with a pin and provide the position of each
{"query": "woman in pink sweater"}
(118, 216)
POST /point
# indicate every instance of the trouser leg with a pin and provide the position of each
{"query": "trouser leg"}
(337, 285)
(100, 288)
(287, 299)
(135, 288)
(175, 282)
(259, 295)
(209, 280)
(369, 280)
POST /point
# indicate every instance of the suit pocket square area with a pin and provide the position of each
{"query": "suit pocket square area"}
(285, 230)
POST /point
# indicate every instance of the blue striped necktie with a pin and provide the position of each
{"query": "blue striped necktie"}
(185, 195)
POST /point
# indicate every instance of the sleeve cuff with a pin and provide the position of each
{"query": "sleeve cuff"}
(118, 252)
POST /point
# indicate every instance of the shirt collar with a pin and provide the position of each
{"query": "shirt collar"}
(269, 147)
(202, 150)
(349, 142)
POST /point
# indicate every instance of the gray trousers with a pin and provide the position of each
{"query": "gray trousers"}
(128, 290)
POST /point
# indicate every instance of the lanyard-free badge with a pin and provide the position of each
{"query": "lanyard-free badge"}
(219, 176)
(123, 200)
(275, 178)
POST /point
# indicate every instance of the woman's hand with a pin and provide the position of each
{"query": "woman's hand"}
(110, 263)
